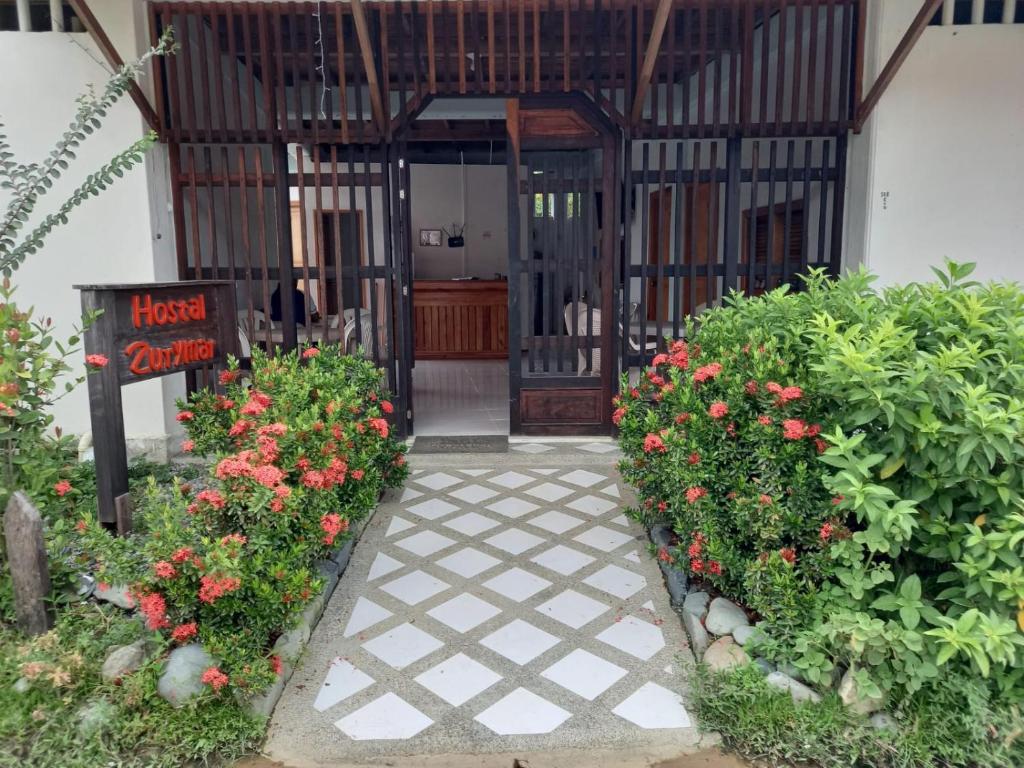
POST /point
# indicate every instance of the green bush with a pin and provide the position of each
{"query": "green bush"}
(921, 522)
(300, 452)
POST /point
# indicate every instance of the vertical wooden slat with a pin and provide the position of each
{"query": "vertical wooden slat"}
(339, 272)
(770, 248)
(826, 105)
(839, 191)
(755, 177)
(446, 59)
(193, 187)
(663, 232)
(573, 249)
(747, 89)
(566, 48)
(283, 123)
(670, 80)
(228, 213)
(508, 46)
(536, 46)
(431, 61)
(478, 62)
(762, 79)
(546, 251)
(170, 65)
(716, 98)
(233, 86)
(403, 104)
(311, 77)
(679, 191)
(339, 42)
(357, 282)
(694, 195)
(243, 191)
(645, 243)
(822, 201)
(286, 276)
(384, 10)
(858, 64)
(812, 66)
(595, 64)
(787, 231)
(217, 72)
(204, 77)
(684, 98)
(562, 258)
(371, 255)
(189, 93)
(781, 58)
(460, 31)
(712, 255)
(805, 189)
(735, 27)
(521, 39)
(587, 240)
(702, 22)
(844, 111)
(250, 69)
(492, 80)
(296, 57)
(211, 213)
(261, 230)
(798, 48)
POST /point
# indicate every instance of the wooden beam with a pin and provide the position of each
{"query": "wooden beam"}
(910, 38)
(653, 46)
(365, 47)
(99, 36)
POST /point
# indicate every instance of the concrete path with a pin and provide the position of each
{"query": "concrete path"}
(498, 605)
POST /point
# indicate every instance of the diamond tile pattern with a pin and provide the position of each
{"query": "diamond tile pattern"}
(509, 601)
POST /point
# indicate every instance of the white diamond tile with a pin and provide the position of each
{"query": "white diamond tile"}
(633, 557)
(398, 525)
(582, 477)
(382, 566)
(522, 713)
(520, 641)
(389, 717)
(531, 448)
(620, 520)
(555, 522)
(408, 494)
(414, 587)
(471, 524)
(468, 562)
(512, 507)
(365, 614)
(654, 707)
(611, 490)
(432, 509)
(616, 581)
(604, 539)
(562, 559)
(635, 637)
(437, 481)
(544, 471)
(648, 606)
(464, 612)
(517, 584)
(474, 494)
(598, 447)
(572, 609)
(343, 680)
(584, 674)
(458, 679)
(511, 480)
(514, 541)
(474, 472)
(549, 491)
(592, 505)
(401, 646)
(425, 543)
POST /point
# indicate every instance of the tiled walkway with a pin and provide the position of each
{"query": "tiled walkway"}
(497, 604)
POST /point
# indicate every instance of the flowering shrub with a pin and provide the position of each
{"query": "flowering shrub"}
(300, 451)
(723, 441)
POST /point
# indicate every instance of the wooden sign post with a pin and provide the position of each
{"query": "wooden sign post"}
(145, 331)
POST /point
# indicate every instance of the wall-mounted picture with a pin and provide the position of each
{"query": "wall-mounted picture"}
(430, 237)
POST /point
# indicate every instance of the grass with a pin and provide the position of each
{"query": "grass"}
(40, 727)
(954, 723)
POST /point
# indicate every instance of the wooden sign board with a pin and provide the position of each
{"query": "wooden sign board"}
(145, 331)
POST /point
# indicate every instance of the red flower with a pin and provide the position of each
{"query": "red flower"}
(694, 549)
(357, 474)
(154, 608)
(618, 414)
(715, 567)
(62, 488)
(837, 500)
(764, 421)
(13, 335)
(654, 443)
(765, 499)
(820, 445)
(97, 361)
(814, 430)
(181, 555)
(694, 493)
(212, 588)
(214, 678)
(184, 632)
(826, 532)
(164, 570)
(380, 426)
(332, 525)
(790, 393)
(696, 565)
(693, 458)
(718, 409)
(253, 408)
(773, 387)
(276, 665)
(788, 554)
(386, 406)
(185, 416)
(664, 556)
(212, 497)
(187, 446)
(751, 387)
(81, 526)
(227, 377)
(310, 352)
(793, 429)
(706, 372)
(233, 538)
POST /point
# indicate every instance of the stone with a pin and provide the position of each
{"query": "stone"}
(123, 660)
(724, 654)
(28, 565)
(116, 594)
(262, 704)
(329, 572)
(744, 633)
(21, 685)
(341, 557)
(290, 644)
(724, 616)
(312, 612)
(699, 639)
(764, 666)
(676, 582)
(697, 604)
(661, 535)
(94, 717)
(883, 721)
(791, 670)
(180, 680)
(796, 689)
(854, 700)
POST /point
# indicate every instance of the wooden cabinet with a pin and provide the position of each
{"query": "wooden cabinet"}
(460, 319)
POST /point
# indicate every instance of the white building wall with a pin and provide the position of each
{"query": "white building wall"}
(939, 169)
(124, 235)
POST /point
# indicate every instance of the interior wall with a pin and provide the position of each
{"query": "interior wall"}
(937, 166)
(437, 202)
(111, 238)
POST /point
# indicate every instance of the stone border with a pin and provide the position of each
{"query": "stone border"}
(291, 644)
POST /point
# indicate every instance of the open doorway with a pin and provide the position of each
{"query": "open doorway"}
(458, 222)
